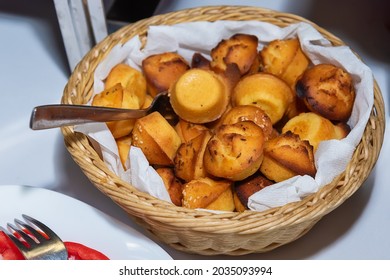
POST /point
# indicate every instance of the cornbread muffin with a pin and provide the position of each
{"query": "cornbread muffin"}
(249, 113)
(208, 194)
(121, 128)
(148, 101)
(172, 184)
(224, 202)
(239, 207)
(256, 65)
(157, 139)
(327, 90)
(286, 156)
(231, 75)
(239, 49)
(297, 106)
(117, 97)
(244, 189)
(188, 162)
(199, 61)
(274, 133)
(285, 59)
(235, 151)
(199, 96)
(312, 127)
(111, 97)
(123, 144)
(131, 80)
(188, 131)
(341, 130)
(162, 70)
(267, 91)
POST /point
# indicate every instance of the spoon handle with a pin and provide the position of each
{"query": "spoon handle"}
(51, 116)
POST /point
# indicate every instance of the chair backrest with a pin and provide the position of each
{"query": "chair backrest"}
(82, 24)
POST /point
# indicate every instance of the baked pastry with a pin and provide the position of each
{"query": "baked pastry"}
(125, 87)
(148, 101)
(235, 151)
(117, 97)
(249, 113)
(121, 128)
(267, 91)
(199, 61)
(132, 81)
(156, 138)
(111, 97)
(312, 127)
(327, 90)
(224, 202)
(297, 106)
(123, 144)
(188, 131)
(199, 96)
(286, 156)
(239, 49)
(124, 127)
(244, 189)
(172, 184)
(188, 162)
(231, 75)
(239, 207)
(162, 70)
(208, 194)
(341, 130)
(285, 59)
(275, 133)
(256, 65)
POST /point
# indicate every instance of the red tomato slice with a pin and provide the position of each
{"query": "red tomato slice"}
(8, 250)
(77, 251)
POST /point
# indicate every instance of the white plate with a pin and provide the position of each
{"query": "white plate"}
(76, 221)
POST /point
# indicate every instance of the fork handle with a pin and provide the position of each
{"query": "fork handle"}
(52, 116)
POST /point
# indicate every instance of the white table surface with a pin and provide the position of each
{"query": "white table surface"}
(34, 71)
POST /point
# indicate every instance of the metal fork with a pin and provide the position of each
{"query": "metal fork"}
(38, 242)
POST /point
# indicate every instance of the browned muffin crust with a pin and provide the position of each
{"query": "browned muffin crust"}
(235, 151)
(286, 156)
(239, 49)
(244, 189)
(162, 70)
(327, 90)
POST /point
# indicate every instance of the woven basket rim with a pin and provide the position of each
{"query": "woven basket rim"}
(166, 215)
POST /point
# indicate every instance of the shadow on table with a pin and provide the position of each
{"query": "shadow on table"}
(42, 18)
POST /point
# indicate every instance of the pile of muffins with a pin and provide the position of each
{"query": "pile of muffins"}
(244, 118)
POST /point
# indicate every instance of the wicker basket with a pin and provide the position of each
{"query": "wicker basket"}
(202, 232)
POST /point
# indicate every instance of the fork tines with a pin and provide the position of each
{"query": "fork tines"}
(20, 229)
(35, 240)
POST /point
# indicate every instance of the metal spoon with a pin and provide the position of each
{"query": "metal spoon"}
(51, 116)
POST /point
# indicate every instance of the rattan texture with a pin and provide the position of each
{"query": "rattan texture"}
(202, 232)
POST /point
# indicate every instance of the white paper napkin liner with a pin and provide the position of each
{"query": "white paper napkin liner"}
(150, 182)
(108, 147)
(331, 157)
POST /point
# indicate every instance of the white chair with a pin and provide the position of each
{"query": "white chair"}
(82, 24)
